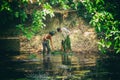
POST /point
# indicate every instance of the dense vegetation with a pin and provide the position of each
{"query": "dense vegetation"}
(101, 14)
(106, 24)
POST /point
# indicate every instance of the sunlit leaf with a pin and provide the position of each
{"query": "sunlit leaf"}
(108, 44)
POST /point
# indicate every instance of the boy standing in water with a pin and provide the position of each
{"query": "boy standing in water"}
(47, 42)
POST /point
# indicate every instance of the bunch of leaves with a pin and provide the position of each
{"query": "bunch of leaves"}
(38, 18)
(106, 26)
(61, 4)
(12, 12)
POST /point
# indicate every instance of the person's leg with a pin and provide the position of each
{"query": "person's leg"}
(68, 43)
(62, 48)
(44, 47)
(63, 45)
(48, 47)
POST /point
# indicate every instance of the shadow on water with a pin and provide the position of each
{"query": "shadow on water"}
(107, 68)
(9, 47)
(8, 68)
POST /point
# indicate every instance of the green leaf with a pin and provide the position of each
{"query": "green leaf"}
(118, 51)
(102, 43)
(16, 14)
(97, 1)
(29, 35)
(108, 44)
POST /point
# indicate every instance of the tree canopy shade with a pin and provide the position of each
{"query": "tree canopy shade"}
(101, 14)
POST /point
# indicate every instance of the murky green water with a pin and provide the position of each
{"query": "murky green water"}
(52, 67)
(56, 67)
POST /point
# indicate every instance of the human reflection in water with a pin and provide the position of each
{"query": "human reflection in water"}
(65, 59)
(47, 65)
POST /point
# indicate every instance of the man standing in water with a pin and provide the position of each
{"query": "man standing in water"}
(66, 43)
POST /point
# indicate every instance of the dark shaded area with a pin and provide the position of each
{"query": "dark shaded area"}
(107, 68)
(11, 69)
(8, 13)
(82, 12)
(8, 45)
(8, 68)
(113, 6)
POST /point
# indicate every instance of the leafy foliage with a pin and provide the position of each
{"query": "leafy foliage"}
(62, 4)
(100, 13)
(106, 26)
(38, 17)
